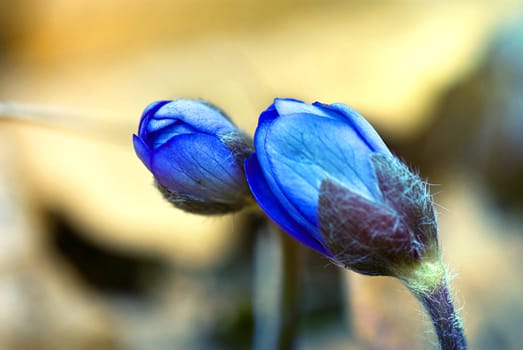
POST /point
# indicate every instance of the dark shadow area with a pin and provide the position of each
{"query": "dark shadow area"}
(105, 269)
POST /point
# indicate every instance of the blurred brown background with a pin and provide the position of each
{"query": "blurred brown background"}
(91, 257)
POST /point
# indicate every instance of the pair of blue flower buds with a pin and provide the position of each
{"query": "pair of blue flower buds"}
(321, 172)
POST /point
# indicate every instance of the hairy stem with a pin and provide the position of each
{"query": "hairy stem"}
(429, 283)
(445, 319)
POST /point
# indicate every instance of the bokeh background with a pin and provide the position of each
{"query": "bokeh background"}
(91, 257)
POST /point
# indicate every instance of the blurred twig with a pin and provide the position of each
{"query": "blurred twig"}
(93, 124)
(276, 290)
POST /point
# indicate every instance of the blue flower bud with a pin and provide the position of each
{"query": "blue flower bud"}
(196, 155)
(325, 176)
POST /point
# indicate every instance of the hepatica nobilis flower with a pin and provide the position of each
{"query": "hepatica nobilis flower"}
(324, 175)
(196, 155)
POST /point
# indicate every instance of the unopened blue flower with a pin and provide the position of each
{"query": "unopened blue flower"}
(325, 176)
(196, 155)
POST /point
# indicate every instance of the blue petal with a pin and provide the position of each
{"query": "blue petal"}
(303, 150)
(266, 119)
(360, 124)
(274, 209)
(169, 130)
(147, 114)
(197, 114)
(159, 124)
(291, 106)
(142, 151)
(198, 165)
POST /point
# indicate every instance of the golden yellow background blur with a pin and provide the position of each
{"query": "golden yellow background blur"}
(79, 73)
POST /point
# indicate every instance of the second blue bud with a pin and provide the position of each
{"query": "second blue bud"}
(196, 155)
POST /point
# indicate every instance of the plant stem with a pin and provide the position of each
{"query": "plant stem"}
(290, 293)
(445, 319)
(430, 284)
(276, 292)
